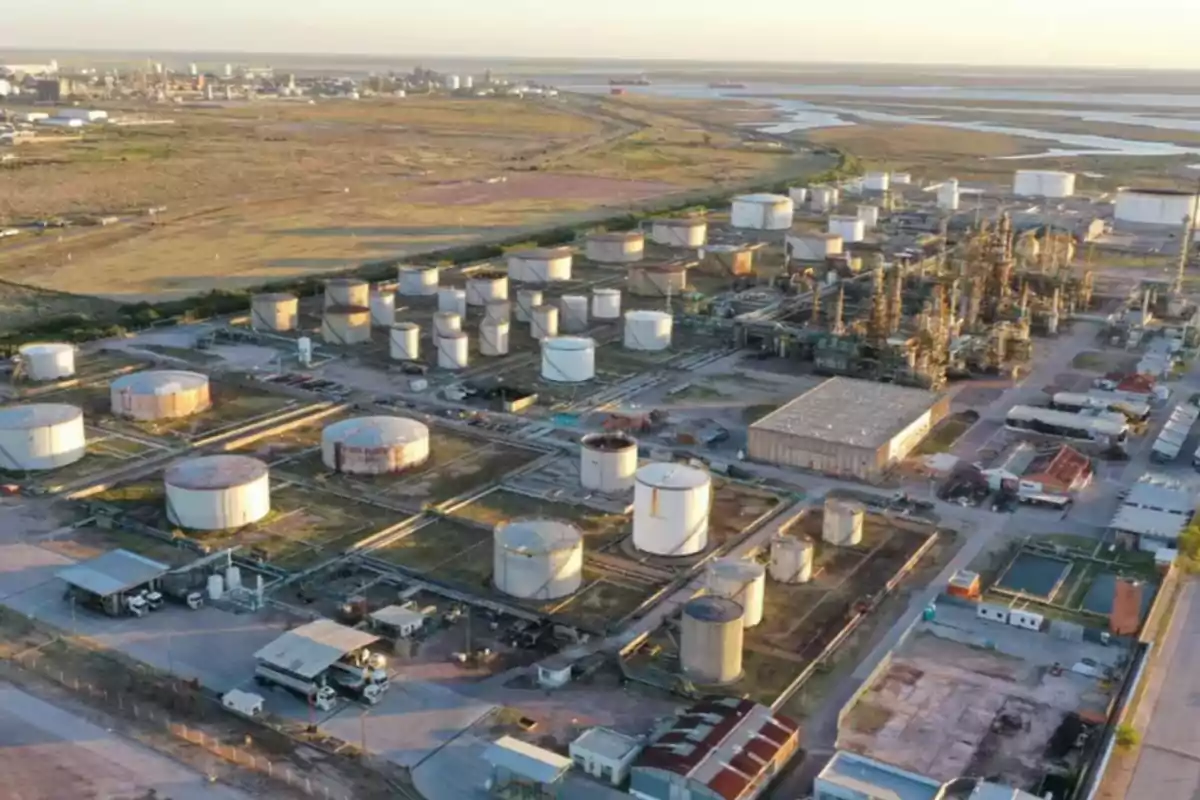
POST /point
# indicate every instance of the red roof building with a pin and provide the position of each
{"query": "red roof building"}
(722, 748)
(1064, 470)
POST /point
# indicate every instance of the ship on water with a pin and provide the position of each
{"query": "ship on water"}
(641, 80)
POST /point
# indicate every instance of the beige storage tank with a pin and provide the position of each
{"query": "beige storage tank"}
(497, 311)
(710, 641)
(41, 436)
(374, 445)
(671, 505)
(616, 247)
(493, 337)
(452, 301)
(842, 522)
(606, 303)
(48, 361)
(537, 559)
(648, 330)
(446, 323)
(486, 286)
(274, 311)
(417, 281)
(160, 394)
(540, 265)
(346, 325)
(608, 462)
(762, 212)
(658, 280)
(340, 292)
(404, 341)
(573, 313)
(727, 259)
(948, 195)
(798, 195)
(527, 300)
(568, 359)
(690, 232)
(215, 493)
(742, 581)
(869, 216)
(544, 322)
(383, 308)
(813, 246)
(452, 350)
(823, 198)
(791, 559)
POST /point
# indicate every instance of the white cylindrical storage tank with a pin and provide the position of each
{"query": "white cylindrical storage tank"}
(740, 580)
(374, 445)
(274, 311)
(869, 216)
(446, 323)
(791, 559)
(485, 287)
(948, 195)
(568, 359)
(383, 308)
(823, 198)
(233, 577)
(573, 313)
(851, 229)
(799, 195)
(711, 637)
(543, 324)
(41, 436)
(648, 330)
(901, 178)
(404, 341)
(527, 300)
(540, 265)
(347, 292)
(537, 559)
(617, 247)
(493, 337)
(452, 350)
(48, 361)
(160, 394)
(657, 280)
(417, 281)
(842, 522)
(689, 232)
(346, 325)
(1155, 206)
(215, 493)
(452, 301)
(877, 182)
(670, 509)
(606, 303)
(608, 462)
(813, 246)
(762, 212)
(1043, 183)
(215, 587)
(497, 311)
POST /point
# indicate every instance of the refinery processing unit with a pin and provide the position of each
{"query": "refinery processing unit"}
(690, 459)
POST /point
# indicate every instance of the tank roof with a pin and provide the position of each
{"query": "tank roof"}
(605, 291)
(346, 311)
(405, 326)
(739, 568)
(535, 253)
(376, 431)
(609, 442)
(160, 382)
(37, 348)
(672, 476)
(535, 535)
(617, 236)
(1163, 192)
(273, 297)
(643, 314)
(672, 268)
(569, 343)
(711, 608)
(761, 198)
(215, 472)
(345, 282)
(36, 415)
(681, 222)
(488, 275)
(452, 335)
(417, 268)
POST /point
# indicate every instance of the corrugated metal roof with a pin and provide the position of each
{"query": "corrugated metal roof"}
(606, 743)
(311, 649)
(526, 760)
(115, 571)
(398, 616)
(876, 780)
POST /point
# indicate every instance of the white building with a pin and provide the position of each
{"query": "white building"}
(605, 754)
(400, 621)
(554, 672)
(1154, 513)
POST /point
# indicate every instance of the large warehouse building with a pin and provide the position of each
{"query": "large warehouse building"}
(846, 427)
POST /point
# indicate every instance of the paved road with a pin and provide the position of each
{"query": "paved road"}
(47, 753)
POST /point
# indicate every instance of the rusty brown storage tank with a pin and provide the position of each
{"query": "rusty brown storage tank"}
(711, 639)
(160, 394)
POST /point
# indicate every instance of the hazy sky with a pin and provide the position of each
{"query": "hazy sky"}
(1143, 33)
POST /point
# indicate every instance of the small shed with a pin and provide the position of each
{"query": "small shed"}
(398, 621)
(525, 770)
(555, 671)
(108, 578)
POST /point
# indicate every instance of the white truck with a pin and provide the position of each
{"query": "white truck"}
(365, 680)
(322, 696)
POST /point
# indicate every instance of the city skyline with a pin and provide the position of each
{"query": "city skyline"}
(1059, 33)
